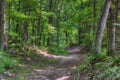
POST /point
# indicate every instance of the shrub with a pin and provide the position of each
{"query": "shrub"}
(87, 40)
(112, 73)
(116, 61)
(58, 51)
(6, 62)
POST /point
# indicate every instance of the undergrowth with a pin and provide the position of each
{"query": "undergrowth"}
(6, 62)
(100, 67)
(57, 51)
(28, 57)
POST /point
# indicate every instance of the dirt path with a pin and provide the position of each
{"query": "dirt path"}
(58, 71)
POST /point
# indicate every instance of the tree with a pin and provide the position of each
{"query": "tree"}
(40, 23)
(117, 26)
(112, 28)
(3, 37)
(101, 26)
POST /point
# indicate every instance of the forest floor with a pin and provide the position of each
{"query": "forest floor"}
(47, 66)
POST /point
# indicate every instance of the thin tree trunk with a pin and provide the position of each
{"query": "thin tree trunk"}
(40, 24)
(117, 27)
(112, 30)
(9, 19)
(17, 22)
(58, 20)
(25, 25)
(101, 26)
(50, 22)
(94, 14)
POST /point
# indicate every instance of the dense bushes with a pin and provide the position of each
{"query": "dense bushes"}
(6, 62)
(101, 67)
(58, 51)
(87, 40)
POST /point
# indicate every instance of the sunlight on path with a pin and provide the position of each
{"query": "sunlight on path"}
(46, 54)
(50, 74)
(64, 78)
(61, 70)
(75, 50)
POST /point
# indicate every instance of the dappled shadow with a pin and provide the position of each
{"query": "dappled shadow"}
(51, 74)
(75, 49)
(46, 54)
(41, 65)
(62, 69)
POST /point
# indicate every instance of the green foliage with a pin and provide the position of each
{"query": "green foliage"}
(97, 58)
(87, 39)
(110, 73)
(58, 51)
(102, 66)
(56, 22)
(18, 15)
(92, 60)
(6, 62)
(51, 29)
(109, 70)
(61, 21)
(2, 69)
(116, 61)
(82, 68)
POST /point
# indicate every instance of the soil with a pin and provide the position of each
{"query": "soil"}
(60, 70)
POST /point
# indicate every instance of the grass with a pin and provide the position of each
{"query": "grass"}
(58, 51)
(6, 62)
(26, 67)
(100, 66)
(23, 63)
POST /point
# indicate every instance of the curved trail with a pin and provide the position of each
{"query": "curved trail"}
(58, 71)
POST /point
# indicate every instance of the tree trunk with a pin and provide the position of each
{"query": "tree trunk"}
(9, 19)
(17, 22)
(101, 26)
(58, 20)
(94, 14)
(40, 25)
(25, 25)
(50, 21)
(117, 27)
(3, 36)
(112, 30)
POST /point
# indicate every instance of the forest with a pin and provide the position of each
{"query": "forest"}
(59, 39)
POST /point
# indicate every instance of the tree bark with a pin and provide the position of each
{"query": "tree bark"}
(94, 14)
(25, 25)
(50, 21)
(101, 26)
(9, 19)
(40, 25)
(117, 27)
(112, 30)
(3, 36)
